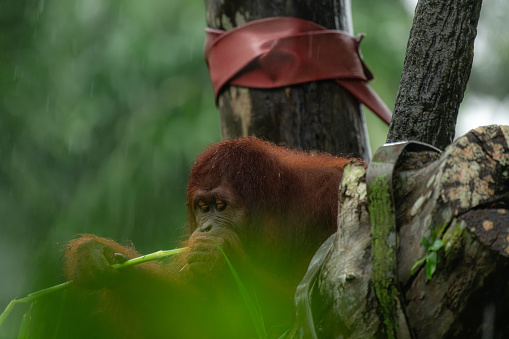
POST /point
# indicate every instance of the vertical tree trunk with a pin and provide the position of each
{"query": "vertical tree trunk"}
(437, 67)
(319, 115)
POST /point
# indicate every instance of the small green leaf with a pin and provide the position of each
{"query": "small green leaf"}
(433, 235)
(417, 263)
(431, 264)
(425, 242)
(432, 258)
(437, 244)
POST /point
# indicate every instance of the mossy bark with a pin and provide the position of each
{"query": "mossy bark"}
(462, 195)
(384, 248)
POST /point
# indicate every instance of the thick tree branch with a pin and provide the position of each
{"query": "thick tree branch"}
(436, 71)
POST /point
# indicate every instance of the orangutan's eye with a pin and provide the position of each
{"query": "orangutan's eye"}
(203, 207)
(220, 205)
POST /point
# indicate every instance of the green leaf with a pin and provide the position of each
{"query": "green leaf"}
(437, 244)
(24, 329)
(149, 257)
(33, 296)
(433, 235)
(60, 313)
(417, 263)
(253, 310)
(425, 242)
(431, 264)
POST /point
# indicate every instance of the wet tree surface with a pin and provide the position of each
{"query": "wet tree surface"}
(462, 196)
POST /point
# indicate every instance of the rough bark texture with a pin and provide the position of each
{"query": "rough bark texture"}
(318, 115)
(436, 70)
(345, 282)
(463, 197)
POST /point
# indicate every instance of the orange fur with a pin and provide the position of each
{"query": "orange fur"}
(287, 203)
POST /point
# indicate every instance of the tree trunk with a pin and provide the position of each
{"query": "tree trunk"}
(463, 197)
(318, 115)
(435, 74)
(360, 284)
(460, 195)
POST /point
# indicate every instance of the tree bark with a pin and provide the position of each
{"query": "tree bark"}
(435, 74)
(463, 197)
(318, 115)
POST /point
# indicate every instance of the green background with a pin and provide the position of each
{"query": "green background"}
(105, 104)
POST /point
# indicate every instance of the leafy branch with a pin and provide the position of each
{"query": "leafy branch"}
(35, 295)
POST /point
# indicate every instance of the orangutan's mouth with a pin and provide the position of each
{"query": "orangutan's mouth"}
(203, 253)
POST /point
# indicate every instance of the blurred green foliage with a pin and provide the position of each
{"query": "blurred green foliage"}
(386, 25)
(103, 107)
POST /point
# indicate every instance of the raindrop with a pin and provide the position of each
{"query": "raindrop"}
(310, 47)
(40, 7)
(191, 50)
